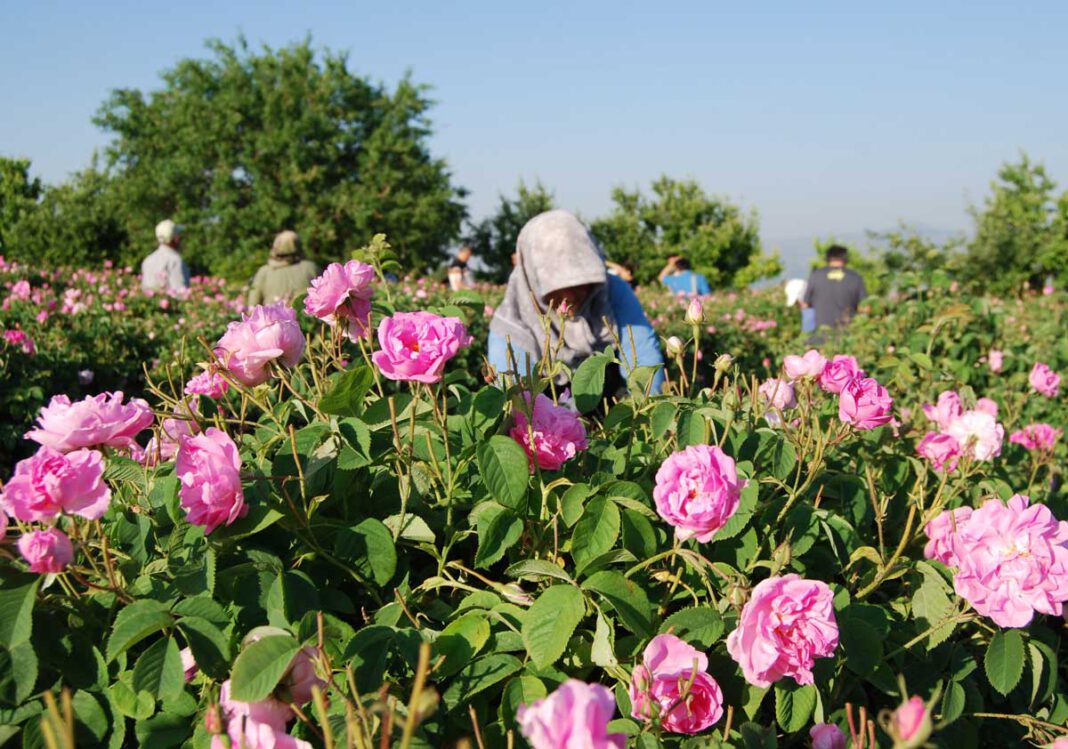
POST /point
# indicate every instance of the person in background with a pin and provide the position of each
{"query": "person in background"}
(678, 277)
(286, 275)
(622, 271)
(164, 269)
(795, 291)
(459, 274)
(834, 292)
(560, 266)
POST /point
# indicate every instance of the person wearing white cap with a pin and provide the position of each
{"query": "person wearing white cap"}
(164, 269)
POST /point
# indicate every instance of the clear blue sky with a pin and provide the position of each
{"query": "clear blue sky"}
(826, 118)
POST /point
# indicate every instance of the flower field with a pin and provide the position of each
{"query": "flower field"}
(328, 525)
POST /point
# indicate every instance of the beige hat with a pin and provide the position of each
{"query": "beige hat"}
(286, 245)
(166, 231)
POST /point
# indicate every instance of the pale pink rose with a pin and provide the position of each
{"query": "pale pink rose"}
(941, 449)
(209, 469)
(267, 334)
(1044, 380)
(171, 431)
(269, 711)
(575, 715)
(911, 724)
(1061, 743)
(189, 664)
(778, 393)
(674, 346)
(987, 406)
(558, 433)
(343, 293)
(996, 360)
(209, 383)
(978, 434)
(697, 490)
(50, 482)
(656, 687)
(1037, 437)
(416, 345)
(787, 624)
(301, 676)
(827, 736)
(46, 551)
(940, 533)
(695, 312)
(99, 420)
(839, 372)
(245, 733)
(865, 404)
(810, 365)
(947, 409)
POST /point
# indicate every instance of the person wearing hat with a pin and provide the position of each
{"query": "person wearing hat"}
(164, 269)
(286, 275)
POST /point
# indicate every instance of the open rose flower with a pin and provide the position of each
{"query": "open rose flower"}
(839, 372)
(343, 294)
(558, 433)
(209, 469)
(865, 404)
(787, 623)
(50, 482)
(697, 490)
(1036, 437)
(809, 365)
(940, 532)
(575, 715)
(416, 345)
(673, 687)
(268, 333)
(268, 711)
(978, 434)
(46, 551)
(209, 383)
(95, 421)
(1044, 380)
(942, 450)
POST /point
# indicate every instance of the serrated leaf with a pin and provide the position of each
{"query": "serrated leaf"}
(794, 706)
(17, 597)
(626, 597)
(498, 530)
(550, 622)
(134, 623)
(347, 395)
(932, 609)
(260, 666)
(461, 641)
(159, 670)
(535, 569)
(505, 470)
(479, 676)
(210, 647)
(1004, 660)
(587, 384)
(602, 651)
(522, 690)
(596, 531)
(698, 625)
(369, 548)
(410, 527)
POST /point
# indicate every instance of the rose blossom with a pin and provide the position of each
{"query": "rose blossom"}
(209, 383)
(575, 715)
(343, 292)
(209, 468)
(910, 725)
(810, 364)
(94, 421)
(865, 404)
(266, 334)
(827, 736)
(787, 624)
(50, 482)
(978, 434)
(656, 687)
(416, 345)
(189, 664)
(778, 393)
(1044, 380)
(996, 360)
(558, 433)
(46, 551)
(301, 677)
(945, 411)
(940, 532)
(987, 406)
(268, 711)
(941, 449)
(697, 490)
(839, 372)
(1039, 437)
(248, 734)
(171, 431)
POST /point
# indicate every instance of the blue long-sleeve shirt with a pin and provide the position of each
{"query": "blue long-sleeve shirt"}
(632, 324)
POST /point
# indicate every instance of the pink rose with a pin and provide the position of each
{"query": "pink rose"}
(941, 449)
(558, 433)
(865, 404)
(209, 468)
(189, 664)
(787, 624)
(1044, 380)
(996, 360)
(269, 711)
(97, 420)
(839, 372)
(695, 312)
(987, 406)
(46, 551)
(343, 292)
(978, 434)
(575, 715)
(268, 333)
(947, 409)
(827, 736)
(1038, 437)
(656, 687)
(301, 676)
(911, 725)
(697, 490)
(778, 393)
(50, 482)
(811, 364)
(248, 734)
(940, 533)
(171, 431)
(209, 383)
(416, 345)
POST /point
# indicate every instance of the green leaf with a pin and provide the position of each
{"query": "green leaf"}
(794, 705)
(953, 702)
(1004, 660)
(134, 623)
(505, 470)
(18, 673)
(782, 458)
(260, 666)
(461, 641)
(626, 597)
(602, 651)
(596, 531)
(479, 676)
(587, 384)
(740, 519)
(699, 625)
(17, 597)
(369, 548)
(211, 648)
(535, 569)
(550, 622)
(91, 720)
(862, 644)
(163, 731)
(136, 705)
(410, 527)
(486, 408)
(290, 597)
(159, 670)
(346, 397)
(522, 690)
(498, 530)
(932, 608)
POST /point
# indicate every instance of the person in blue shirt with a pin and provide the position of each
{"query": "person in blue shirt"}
(678, 277)
(561, 299)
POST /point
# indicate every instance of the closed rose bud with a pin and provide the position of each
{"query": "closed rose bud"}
(695, 313)
(674, 346)
(212, 720)
(723, 362)
(910, 725)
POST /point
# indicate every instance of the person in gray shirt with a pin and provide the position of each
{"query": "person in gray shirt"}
(834, 292)
(164, 269)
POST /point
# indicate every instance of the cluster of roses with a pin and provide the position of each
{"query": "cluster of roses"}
(974, 433)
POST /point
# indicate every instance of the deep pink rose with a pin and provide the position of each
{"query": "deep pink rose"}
(269, 711)
(416, 345)
(865, 404)
(940, 532)
(97, 420)
(301, 676)
(1037, 437)
(343, 292)
(787, 624)
(941, 449)
(810, 365)
(209, 468)
(575, 715)
(245, 733)
(778, 394)
(50, 482)
(978, 434)
(209, 383)
(697, 490)
(911, 724)
(558, 433)
(827, 736)
(839, 372)
(46, 551)
(1044, 380)
(996, 359)
(656, 687)
(947, 409)
(268, 333)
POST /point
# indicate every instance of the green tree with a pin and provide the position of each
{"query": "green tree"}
(18, 195)
(244, 144)
(912, 260)
(493, 239)
(720, 240)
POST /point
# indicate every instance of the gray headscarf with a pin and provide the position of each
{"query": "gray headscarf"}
(555, 251)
